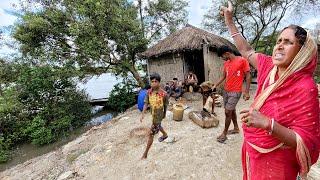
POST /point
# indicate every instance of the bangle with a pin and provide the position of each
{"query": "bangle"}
(269, 125)
(235, 34)
(272, 126)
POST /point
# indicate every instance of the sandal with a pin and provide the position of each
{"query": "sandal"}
(222, 139)
(234, 131)
(162, 138)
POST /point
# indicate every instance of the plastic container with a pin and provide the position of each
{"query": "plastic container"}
(141, 97)
(178, 110)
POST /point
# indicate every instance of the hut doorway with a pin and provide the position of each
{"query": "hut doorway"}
(194, 62)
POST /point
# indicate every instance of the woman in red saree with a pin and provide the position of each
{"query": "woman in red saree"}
(281, 129)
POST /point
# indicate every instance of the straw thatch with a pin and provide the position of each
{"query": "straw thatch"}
(187, 38)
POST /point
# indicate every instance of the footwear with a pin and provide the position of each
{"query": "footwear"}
(162, 138)
(222, 139)
(234, 131)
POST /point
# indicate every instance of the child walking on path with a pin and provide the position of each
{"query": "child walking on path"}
(158, 101)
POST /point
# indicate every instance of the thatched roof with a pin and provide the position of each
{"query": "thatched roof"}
(187, 38)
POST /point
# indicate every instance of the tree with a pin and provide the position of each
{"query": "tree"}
(160, 18)
(96, 36)
(258, 21)
(41, 105)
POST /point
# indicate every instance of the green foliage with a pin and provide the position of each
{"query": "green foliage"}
(257, 21)
(96, 36)
(12, 116)
(317, 79)
(41, 106)
(163, 17)
(4, 150)
(266, 44)
(38, 132)
(8, 72)
(122, 97)
(51, 96)
(63, 40)
(11, 122)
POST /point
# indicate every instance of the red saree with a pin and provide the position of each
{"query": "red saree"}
(295, 105)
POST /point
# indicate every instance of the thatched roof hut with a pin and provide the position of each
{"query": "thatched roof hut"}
(188, 49)
(186, 39)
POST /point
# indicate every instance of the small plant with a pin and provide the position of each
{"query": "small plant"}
(122, 96)
(4, 150)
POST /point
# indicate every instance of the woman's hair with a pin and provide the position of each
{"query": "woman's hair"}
(300, 33)
(155, 76)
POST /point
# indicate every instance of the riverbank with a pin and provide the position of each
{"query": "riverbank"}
(109, 151)
(24, 152)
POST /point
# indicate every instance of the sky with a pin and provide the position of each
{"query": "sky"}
(196, 9)
(6, 19)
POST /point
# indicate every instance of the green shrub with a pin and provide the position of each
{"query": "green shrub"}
(38, 133)
(4, 150)
(121, 97)
(42, 105)
(41, 136)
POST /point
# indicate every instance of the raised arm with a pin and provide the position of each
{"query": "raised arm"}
(242, 45)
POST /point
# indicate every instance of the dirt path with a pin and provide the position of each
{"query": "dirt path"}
(109, 152)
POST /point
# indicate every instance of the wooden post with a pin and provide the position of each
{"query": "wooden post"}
(205, 61)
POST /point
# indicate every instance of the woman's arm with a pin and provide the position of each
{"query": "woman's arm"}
(242, 45)
(285, 135)
(258, 120)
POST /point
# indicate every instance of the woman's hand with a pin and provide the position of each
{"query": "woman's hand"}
(253, 118)
(227, 12)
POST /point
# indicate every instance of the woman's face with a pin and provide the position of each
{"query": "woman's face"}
(286, 48)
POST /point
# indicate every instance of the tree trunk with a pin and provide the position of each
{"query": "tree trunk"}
(141, 17)
(137, 76)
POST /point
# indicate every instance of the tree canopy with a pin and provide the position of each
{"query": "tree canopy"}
(96, 36)
(258, 21)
